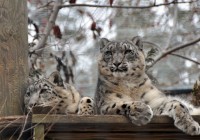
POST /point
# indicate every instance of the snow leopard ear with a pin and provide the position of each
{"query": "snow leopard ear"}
(103, 43)
(137, 40)
(56, 78)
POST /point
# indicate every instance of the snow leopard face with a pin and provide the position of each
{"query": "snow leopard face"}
(121, 59)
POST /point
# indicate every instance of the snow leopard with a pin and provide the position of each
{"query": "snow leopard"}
(63, 98)
(124, 88)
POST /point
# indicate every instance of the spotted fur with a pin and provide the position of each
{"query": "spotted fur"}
(124, 88)
(62, 97)
(86, 106)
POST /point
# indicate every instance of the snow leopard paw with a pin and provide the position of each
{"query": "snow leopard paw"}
(86, 106)
(139, 113)
(188, 125)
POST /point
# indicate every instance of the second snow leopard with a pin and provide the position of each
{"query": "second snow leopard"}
(53, 92)
(124, 88)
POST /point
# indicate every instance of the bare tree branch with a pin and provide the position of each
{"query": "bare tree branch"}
(167, 52)
(50, 24)
(46, 5)
(177, 55)
(127, 7)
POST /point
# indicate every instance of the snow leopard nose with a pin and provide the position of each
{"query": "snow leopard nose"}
(116, 64)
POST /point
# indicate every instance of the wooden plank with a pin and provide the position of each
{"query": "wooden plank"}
(107, 127)
(45, 118)
(41, 109)
(102, 128)
(120, 136)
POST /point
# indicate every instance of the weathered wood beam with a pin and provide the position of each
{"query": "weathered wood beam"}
(13, 56)
(106, 127)
(45, 118)
(93, 127)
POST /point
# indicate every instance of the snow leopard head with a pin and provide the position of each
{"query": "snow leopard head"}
(121, 59)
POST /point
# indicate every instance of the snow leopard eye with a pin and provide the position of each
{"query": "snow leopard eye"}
(108, 53)
(131, 55)
(128, 52)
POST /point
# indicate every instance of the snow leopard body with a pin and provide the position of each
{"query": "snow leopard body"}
(124, 88)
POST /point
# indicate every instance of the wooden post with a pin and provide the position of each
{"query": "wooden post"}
(13, 56)
(39, 132)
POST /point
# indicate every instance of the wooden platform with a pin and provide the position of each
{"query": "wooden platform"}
(107, 127)
(72, 127)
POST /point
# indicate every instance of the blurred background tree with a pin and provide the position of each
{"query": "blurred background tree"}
(67, 32)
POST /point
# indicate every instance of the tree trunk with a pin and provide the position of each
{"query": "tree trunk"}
(13, 56)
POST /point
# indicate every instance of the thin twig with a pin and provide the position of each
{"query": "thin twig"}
(24, 125)
(46, 5)
(41, 119)
(49, 128)
(177, 55)
(50, 24)
(126, 7)
(167, 52)
(14, 133)
(11, 119)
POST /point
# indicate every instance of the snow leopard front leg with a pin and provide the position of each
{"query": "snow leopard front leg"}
(138, 112)
(180, 113)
